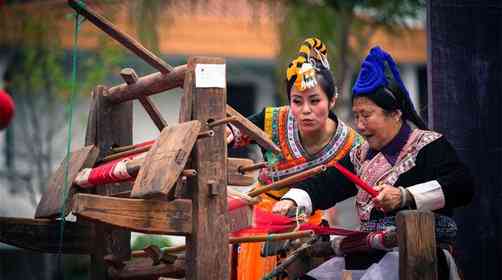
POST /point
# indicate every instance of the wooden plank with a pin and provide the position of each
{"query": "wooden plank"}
(147, 85)
(124, 39)
(143, 268)
(166, 160)
(43, 235)
(417, 245)
(185, 113)
(183, 188)
(237, 178)
(92, 122)
(57, 193)
(147, 216)
(114, 129)
(130, 77)
(207, 246)
(254, 132)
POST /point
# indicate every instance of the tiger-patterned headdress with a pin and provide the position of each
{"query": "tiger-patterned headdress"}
(304, 66)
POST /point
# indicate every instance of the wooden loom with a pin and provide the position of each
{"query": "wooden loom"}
(180, 186)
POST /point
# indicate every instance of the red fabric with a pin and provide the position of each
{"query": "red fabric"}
(103, 174)
(7, 109)
(265, 222)
(234, 203)
(147, 143)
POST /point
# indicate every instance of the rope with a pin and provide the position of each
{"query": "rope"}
(69, 117)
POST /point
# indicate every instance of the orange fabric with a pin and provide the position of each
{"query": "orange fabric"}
(251, 265)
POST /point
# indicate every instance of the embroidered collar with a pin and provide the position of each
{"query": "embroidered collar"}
(393, 148)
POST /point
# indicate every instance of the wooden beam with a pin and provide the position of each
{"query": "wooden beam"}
(293, 179)
(417, 245)
(234, 178)
(166, 160)
(143, 268)
(147, 216)
(57, 193)
(237, 178)
(207, 246)
(244, 239)
(113, 129)
(272, 237)
(254, 132)
(130, 77)
(183, 187)
(124, 39)
(91, 132)
(147, 85)
(166, 250)
(124, 154)
(43, 235)
(252, 167)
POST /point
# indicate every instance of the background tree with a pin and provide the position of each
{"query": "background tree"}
(346, 27)
(38, 76)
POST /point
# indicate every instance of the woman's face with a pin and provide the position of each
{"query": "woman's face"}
(372, 122)
(310, 109)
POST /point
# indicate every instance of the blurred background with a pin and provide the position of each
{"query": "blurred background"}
(257, 38)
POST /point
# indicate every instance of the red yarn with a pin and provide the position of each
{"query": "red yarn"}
(266, 222)
(7, 108)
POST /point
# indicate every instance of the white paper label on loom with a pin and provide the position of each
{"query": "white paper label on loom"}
(210, 76)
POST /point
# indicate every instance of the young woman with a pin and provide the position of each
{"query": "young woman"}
(411, 168)
(308, 133)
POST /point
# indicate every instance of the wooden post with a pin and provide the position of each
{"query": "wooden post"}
(417, 245)
(207, 246)
(113, 127)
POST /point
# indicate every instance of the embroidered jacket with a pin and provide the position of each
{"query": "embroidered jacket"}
(427, 165)
(280, 125)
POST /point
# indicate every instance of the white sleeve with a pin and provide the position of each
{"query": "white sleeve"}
(301, 198)
(428, 195)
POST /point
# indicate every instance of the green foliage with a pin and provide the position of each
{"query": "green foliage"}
(40, 81)
(344, 26)
(144, 241)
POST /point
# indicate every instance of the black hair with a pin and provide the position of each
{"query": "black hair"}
(392, 98)
(324, 78)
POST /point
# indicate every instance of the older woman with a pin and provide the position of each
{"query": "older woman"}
(308, 133)
(411, 168)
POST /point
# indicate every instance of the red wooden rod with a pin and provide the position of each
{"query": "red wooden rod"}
(355, 179)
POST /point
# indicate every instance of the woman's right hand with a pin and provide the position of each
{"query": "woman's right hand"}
(282, 207)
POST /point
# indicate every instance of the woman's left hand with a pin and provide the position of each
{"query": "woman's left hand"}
(388, 198)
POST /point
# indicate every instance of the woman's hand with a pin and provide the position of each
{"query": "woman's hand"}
(229, 135)
(282, 207)
(388, 199)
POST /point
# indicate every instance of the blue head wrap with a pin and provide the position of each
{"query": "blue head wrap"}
(372, 77)
(372, 74)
